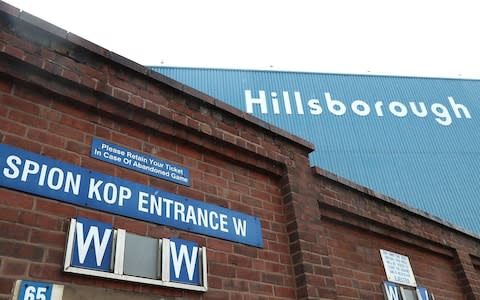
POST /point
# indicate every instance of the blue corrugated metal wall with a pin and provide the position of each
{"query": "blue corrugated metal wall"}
(429, 162)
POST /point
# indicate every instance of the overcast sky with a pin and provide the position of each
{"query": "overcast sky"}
(404, 37)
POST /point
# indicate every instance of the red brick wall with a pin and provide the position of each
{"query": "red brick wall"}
(356, 225)
(32, 229)
(47, 106)
(322, 234)
(358, 269)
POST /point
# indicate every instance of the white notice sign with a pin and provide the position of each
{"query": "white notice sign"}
(398, 268)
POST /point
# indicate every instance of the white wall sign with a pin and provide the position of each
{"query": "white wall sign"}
(398, 268)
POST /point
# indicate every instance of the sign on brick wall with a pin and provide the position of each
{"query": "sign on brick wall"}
(33, 173)
(35, 290)
(97, 249)
(133, 160)
(398, 268)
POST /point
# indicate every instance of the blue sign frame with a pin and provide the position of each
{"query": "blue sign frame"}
(133, 160)
(40, 175)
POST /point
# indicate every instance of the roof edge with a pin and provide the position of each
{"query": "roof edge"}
(146, 71)
(367, 191)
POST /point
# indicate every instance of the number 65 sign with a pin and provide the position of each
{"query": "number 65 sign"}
(32, 290)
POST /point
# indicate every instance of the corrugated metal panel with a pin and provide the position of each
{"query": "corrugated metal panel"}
(429, 162)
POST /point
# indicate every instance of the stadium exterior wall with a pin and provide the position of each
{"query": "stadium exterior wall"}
(321, 234)
(411, 138)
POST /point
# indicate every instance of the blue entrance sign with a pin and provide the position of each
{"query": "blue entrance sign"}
(46, 177)
(92, 245)
(139, 162)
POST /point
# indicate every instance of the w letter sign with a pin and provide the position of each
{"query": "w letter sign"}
(184, 266)
(97, 249)
(92, 245)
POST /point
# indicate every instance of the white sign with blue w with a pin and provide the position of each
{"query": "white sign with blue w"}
(97, 249)
(32, 290)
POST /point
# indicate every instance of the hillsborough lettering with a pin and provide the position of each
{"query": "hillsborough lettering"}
(40, 175)
(283, 104)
